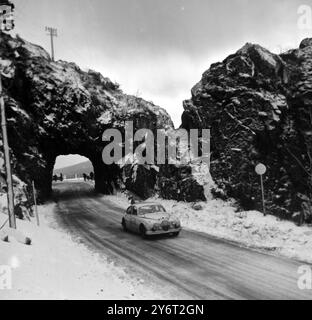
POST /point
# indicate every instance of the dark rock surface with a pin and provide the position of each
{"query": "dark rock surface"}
(259, 108)
(180, 183)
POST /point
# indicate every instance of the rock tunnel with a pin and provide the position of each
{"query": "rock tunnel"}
(55, 108)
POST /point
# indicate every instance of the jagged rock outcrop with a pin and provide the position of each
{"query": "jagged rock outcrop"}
(258, 106)
(55, 108)
(181, 183)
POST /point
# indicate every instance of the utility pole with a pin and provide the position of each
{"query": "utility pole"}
(6, 10)
(7, 161)
(52, 32)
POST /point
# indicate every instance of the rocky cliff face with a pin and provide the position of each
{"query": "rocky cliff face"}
(55, 108)
(257, 104)
(259, 108)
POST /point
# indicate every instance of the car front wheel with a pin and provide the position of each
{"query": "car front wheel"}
(124, 226)
(142, 231)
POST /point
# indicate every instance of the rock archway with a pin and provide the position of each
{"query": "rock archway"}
(257, 104)
(55, 108)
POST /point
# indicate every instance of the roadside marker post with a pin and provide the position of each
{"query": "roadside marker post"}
(35, 203)
(261, 170)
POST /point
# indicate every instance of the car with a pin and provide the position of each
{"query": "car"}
(150, 218)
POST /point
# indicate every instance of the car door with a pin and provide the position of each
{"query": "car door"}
(134, 219)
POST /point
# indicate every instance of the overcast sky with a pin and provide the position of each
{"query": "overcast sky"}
(157, 48)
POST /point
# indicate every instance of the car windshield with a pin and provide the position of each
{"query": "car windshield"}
(151, 209)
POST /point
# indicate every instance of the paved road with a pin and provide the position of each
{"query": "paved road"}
(192, 266)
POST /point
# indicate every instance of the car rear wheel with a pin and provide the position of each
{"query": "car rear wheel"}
(124, 226)
(142, 231)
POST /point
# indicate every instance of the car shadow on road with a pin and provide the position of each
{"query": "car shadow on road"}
(152, 238)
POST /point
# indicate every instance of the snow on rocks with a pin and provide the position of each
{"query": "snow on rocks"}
(256, 105)
(33, 50)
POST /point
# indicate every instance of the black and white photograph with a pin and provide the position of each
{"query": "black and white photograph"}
(155, 150)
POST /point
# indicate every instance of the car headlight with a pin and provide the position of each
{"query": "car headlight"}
(156, 227)
(177, 224)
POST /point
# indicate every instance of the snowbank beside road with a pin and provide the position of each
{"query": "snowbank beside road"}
(55, 267)
(221, 219)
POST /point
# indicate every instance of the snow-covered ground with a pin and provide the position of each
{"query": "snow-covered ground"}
(221, 219)
(55, 267)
